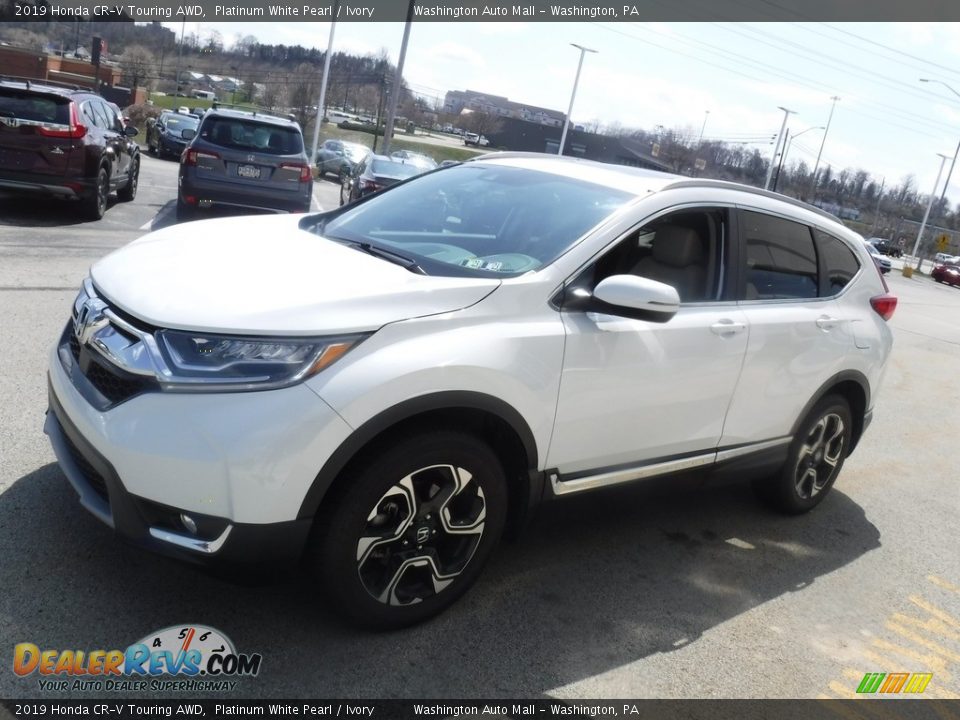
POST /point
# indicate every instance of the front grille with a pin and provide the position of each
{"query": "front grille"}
(94, 479)
(112, 386)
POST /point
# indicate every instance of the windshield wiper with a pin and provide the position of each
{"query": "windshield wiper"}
(388, 255)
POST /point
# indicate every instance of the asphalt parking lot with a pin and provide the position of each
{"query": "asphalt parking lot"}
(635, 592)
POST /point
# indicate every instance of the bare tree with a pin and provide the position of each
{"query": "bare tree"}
(481, 123)
(138, 64)
(304, 89)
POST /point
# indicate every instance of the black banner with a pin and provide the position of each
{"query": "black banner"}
(866, 709)
(480, 10)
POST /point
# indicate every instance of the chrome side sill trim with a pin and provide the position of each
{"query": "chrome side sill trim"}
(616, 477)
(592, 482)
(751, 448)
(206, 547)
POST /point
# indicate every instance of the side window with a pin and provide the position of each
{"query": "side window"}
(683, 249)
(90, 116)
(780, 256)
(110, 115)
(839, 261)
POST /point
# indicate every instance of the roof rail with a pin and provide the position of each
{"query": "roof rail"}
(57, 83)
(725, 185)
(253, 111)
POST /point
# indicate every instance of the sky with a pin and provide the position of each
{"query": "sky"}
(733, 75)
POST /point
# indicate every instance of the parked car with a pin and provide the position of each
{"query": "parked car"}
(947, 272)
(65, 143)
(171, 133)
(339, 158)
(475, 139)
(375, 173)
(883, 263)
(886, 246)
(378, 390)
(244, 160)
(946, 258)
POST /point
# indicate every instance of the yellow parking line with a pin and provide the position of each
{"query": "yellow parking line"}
(919, 640)
(932, 626)
(940, 582)
(935, 611)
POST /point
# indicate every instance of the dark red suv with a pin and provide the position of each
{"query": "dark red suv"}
(65, 143)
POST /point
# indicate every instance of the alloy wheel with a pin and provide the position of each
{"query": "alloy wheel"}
(421, 535)
(819, 455)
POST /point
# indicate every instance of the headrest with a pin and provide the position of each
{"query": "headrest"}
(677, 246)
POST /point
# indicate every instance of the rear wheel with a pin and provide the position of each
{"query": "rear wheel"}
(411, 529)
(814, 460)
(95, 205)
(185, 212)
(129, 191)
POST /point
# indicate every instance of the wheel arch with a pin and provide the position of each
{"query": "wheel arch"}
(854, 387)
(494, 420)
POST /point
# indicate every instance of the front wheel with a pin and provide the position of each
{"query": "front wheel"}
(129, 191)
(410, 530)
(814, 459)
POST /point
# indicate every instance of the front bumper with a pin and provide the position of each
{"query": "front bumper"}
(238, 464)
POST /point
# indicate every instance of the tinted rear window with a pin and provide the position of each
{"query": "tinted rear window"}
(781, 258)
(252, 136)
(394, 169)
(30, 106)
(180, 122)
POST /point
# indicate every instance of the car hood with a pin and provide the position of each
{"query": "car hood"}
(265, 275)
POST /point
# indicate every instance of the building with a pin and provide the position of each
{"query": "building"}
(41, 66)
(456, 101)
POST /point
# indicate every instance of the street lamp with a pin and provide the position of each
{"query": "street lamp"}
(926, 215)
(957, 151)
(823, 141)
(573, 95)
(706, 115)
(783, 126)
(783, 155)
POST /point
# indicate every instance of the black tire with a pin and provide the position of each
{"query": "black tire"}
(95, 205)
(436, 531)
(814, 459)
(129, 191)
(185, 212)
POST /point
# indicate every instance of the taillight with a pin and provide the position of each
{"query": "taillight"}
(190, 156)
(305, 174)
(884, 305)
(74, 132)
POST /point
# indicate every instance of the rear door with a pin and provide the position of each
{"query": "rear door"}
(799, 336)
(34, 133)
(114, 138)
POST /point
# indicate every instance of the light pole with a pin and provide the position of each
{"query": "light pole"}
(573, 95)
(323, 88)
(957, 151)
(706, 115)
(773, 160)
(823, 141)
(926, 215)
(183, 27)
(783, 155)
(397, 80)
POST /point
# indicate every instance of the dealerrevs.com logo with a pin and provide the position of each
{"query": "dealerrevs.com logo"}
(177, 658)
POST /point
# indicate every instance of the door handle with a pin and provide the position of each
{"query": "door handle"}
(727, 327)
(827, 323)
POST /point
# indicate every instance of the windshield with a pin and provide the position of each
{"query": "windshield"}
(355, 152)
(479, 220)
(394, 169)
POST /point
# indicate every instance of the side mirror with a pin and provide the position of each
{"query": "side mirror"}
(635, 297)
(188, 133)
(131, 131)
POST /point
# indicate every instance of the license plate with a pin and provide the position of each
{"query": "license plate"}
(248, 171)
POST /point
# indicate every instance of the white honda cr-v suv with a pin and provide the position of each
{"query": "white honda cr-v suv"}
(379, 390)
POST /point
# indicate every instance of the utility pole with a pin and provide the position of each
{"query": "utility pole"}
(376, 128)
(783, 127)
(397, 82)
(823, 141)
(783, 154)
(876, 215)
(183, 27)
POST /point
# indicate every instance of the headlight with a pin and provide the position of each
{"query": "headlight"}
(199, 361)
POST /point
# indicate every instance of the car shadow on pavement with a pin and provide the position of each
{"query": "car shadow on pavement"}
(595, 583)
(29, 211)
